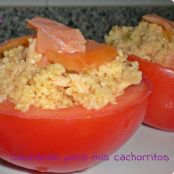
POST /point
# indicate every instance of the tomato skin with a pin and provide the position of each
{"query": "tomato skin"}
(160, 110)
(98, 134)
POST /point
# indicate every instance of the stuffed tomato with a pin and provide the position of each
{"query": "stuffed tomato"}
(160, 110)
(66, 102)
(153, 41)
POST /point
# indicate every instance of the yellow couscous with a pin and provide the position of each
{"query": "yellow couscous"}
(25, 83)
(147, 40)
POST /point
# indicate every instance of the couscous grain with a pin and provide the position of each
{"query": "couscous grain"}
(147, 40)
(25, 83)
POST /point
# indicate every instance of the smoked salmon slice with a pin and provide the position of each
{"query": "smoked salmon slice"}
(55, 36)
(165, 23)
(95, 55)
(61, 44)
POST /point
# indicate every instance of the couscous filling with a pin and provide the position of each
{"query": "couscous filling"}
(26, 83)
(147, 40)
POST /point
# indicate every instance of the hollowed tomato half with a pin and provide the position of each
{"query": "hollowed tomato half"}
(160, 110)
(72, 139)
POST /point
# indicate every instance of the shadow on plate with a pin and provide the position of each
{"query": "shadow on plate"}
(21, 169)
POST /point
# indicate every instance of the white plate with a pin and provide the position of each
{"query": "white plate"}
(146, 141)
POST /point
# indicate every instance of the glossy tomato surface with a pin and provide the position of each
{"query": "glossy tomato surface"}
(160, 110)
(66, 140)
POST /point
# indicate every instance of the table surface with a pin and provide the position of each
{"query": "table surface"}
(146, 141)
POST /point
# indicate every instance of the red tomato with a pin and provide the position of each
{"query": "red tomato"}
(74, 134)
(160, 111)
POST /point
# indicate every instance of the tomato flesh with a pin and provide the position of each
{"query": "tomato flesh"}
(67, 132)
(160, 110)
(14, 43)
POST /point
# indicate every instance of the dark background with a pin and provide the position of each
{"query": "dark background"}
(94, 22)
